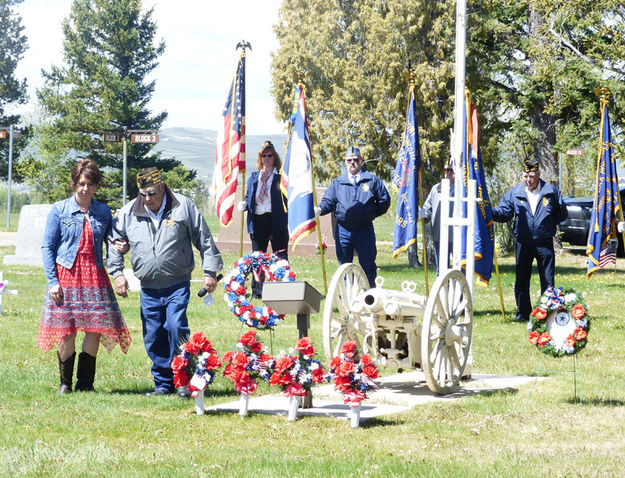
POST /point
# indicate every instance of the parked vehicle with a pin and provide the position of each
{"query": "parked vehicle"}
(575, 227)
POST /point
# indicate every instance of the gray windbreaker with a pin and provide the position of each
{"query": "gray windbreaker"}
(162, 257)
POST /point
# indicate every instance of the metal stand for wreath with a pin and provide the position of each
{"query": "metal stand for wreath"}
(577, 381)
(296, 297)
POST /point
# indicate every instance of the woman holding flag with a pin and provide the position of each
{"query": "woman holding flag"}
(266, 208)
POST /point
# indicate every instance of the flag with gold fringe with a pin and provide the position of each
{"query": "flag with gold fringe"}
(473, 168)
(406, 182)
(603, 219)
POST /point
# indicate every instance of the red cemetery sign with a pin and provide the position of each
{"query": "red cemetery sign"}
(575, 152)
(144, 138)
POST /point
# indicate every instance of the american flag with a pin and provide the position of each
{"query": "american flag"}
(230, 148)
(608, 254)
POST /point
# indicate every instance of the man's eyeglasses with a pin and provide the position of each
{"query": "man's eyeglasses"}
(352, 160)
(149, 193)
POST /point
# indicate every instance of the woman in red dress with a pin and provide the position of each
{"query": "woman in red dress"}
(79, 296)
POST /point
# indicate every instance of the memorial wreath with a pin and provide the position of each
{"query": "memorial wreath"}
(559, 324)
(260, 264)
(195, 366)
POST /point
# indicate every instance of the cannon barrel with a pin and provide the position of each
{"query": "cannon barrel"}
(400, 307)
(392, 302)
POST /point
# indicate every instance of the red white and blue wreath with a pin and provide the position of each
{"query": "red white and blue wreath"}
(559, 324)
(274, 269)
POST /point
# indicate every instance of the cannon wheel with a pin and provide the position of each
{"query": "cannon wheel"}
(446, 333)
(339, 322)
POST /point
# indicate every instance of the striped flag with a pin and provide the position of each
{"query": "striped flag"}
(473, 168)
(607, 204)
(230, 148)
(608, 254)
(297, 181)
(406, 182)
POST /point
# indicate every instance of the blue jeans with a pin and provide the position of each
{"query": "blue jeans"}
(363, 240)
(165, 328)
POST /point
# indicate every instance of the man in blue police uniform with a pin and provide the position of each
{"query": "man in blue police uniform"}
(357, 198)
(537, 208)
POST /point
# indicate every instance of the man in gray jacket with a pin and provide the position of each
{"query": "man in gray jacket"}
(160, 227)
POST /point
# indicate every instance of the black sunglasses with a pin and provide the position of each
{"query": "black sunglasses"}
(149, 193)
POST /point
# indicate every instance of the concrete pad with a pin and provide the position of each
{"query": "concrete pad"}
(397, 393)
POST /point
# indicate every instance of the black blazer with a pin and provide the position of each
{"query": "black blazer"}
(279, 218)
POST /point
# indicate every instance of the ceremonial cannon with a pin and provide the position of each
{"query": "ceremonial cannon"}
(402, 329)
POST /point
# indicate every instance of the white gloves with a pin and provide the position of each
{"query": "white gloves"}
(421, 212)
(242, 206)
(317, 211)
(620, 226)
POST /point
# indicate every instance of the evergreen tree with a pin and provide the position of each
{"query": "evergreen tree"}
(12, 90)
(532, 67)
(109, 51)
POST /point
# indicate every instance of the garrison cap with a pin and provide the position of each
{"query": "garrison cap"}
(530, 165)
(149, 177)
(352, 151)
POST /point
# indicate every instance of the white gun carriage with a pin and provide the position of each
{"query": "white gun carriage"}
(402, 329)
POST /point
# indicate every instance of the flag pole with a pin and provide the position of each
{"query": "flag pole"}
(317, 221)
(503, 309)
(242, 45)
(603, 93)
(412, 77)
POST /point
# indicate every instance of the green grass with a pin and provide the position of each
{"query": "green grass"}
(534, 430)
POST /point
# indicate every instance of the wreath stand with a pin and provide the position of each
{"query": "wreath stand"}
(577, 379)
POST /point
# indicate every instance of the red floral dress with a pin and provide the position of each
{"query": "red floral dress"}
(89, 303)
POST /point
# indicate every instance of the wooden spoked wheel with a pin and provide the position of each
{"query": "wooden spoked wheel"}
(340, 323)
(446, 333)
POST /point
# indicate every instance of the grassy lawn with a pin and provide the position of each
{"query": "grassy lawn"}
(535, 430)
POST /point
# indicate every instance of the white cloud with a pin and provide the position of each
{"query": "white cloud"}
(195, 72)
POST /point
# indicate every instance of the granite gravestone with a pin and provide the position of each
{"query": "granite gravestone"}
(30, 236)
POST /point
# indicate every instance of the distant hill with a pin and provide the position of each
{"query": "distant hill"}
(195, 148)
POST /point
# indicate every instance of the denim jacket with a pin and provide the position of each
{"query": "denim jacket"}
(62, 234)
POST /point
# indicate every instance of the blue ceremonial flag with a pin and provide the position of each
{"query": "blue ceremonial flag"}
(607, 202)
(473, 168)
(406, 182)
(296, 177)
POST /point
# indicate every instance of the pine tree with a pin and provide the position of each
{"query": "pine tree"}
(109, 51)
(532, 67)
(13, 44)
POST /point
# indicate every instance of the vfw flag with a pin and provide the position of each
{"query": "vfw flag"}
(474, 169)
(230, 147)
(607, 202)
(297, 180)
(405, 182)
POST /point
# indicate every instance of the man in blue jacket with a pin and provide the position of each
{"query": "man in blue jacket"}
(537, 208)
(357, 198)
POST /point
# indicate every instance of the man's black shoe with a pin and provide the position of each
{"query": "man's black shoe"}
(183, 392)
(521, 319)
(159, 392)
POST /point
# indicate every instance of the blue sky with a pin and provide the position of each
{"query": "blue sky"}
(199, 62)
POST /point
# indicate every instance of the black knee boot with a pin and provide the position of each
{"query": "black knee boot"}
(66, 371)
(85, 373)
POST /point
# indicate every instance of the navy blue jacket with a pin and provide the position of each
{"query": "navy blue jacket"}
(356, 206)
(279, 217)
(532, 229)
